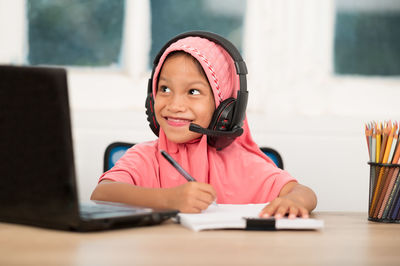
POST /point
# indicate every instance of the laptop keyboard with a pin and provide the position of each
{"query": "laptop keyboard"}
(94, 208)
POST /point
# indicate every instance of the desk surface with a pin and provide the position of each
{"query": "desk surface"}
(347, 239)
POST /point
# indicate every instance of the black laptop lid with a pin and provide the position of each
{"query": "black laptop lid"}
(37, 175)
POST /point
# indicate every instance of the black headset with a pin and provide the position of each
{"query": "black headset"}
(227, 121)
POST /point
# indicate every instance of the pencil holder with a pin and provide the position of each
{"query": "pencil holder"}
(384, 191)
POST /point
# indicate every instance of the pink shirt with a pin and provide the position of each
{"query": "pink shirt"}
(261, 182)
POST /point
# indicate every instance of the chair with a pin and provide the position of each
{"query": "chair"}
(273, 155)
(115, 150)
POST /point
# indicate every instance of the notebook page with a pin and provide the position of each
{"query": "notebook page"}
(227, 216)
(231, 216)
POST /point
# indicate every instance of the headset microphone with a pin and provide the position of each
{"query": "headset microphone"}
(235, 132)
(217, 138)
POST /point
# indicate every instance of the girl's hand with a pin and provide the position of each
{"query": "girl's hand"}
(294, 199)
(191, 197)
(281, 206)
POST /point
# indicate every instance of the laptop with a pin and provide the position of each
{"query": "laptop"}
(37, 171)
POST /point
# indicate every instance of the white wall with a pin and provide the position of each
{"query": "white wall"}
(296, 105)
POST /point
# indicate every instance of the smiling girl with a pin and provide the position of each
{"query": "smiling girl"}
(193, 76)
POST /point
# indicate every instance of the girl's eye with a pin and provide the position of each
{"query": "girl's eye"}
(164, 89)
(194, 92)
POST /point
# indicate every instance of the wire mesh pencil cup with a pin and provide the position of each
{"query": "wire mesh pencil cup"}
(384, 192)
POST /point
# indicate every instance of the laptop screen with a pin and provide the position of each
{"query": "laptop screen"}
(36, 156)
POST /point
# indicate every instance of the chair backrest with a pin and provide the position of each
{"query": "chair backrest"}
(274, 155)
(115, 150)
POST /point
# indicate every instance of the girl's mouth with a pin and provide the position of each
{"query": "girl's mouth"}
(177, 122)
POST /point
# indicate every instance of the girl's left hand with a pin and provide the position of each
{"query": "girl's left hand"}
(281, 206)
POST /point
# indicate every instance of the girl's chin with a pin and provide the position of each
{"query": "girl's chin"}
(182, 138)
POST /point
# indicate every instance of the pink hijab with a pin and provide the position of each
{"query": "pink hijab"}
(240, 173)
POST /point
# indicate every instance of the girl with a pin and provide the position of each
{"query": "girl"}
(191, 79)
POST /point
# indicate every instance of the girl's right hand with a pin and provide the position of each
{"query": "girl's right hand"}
(191, 197)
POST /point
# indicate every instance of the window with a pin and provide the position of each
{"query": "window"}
(171, 17)
(367, 37)
(90, 32)
(75, 32)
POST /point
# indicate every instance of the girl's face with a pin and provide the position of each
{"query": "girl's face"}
(183, 96)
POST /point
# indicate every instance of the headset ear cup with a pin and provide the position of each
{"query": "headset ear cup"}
(222, 117)
(222, 121)
(151, 117)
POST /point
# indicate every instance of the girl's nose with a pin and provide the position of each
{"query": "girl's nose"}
(177, 104)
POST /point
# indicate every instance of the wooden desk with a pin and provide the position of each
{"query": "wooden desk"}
(347, 239)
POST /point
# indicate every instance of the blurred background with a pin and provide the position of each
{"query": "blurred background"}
(318, 71)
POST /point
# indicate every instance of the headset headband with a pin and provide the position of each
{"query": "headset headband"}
(240, 65)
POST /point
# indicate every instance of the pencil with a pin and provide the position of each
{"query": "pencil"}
(385, 133)
(179, 168)
(378, 142)
(373, 149)
(394, 136)
(367, 136)
(378, 169)
(372, 180)
(389, 132)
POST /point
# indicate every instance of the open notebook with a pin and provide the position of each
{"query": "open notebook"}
(243, 216)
